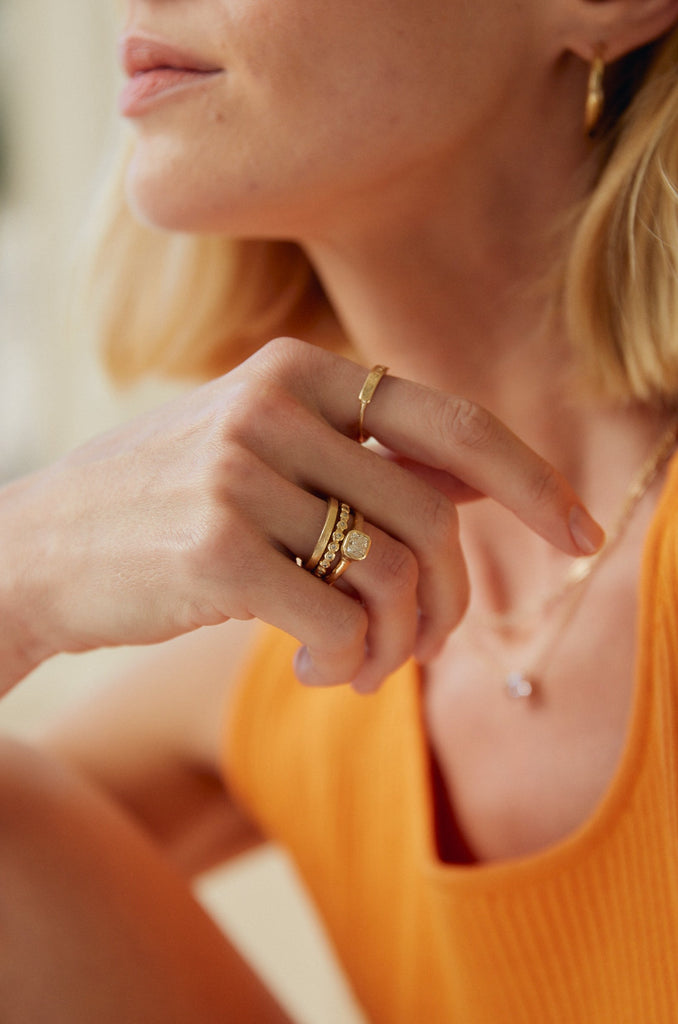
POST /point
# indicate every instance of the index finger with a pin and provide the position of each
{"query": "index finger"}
(458, 437)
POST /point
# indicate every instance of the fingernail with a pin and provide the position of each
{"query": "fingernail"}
(585, 531)
(365, 686)
(303, 666)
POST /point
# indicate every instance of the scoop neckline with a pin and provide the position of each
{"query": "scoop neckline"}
(614, 798)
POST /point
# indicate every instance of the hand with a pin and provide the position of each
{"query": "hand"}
(192, 515)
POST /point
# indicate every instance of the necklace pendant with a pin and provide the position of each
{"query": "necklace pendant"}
(518, 685)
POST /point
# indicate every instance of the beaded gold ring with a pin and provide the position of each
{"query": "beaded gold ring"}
(333, 547)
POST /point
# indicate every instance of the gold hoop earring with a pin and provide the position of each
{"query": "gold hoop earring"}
(595, 96)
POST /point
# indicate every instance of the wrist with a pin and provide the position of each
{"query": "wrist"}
(22, 624)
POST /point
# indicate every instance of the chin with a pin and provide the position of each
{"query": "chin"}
(163, 212)
(164, 198)
(169, 203)
(198, 190)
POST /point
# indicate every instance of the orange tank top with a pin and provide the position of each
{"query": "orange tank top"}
(584, 932)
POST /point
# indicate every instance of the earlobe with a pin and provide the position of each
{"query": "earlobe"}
(617, 27)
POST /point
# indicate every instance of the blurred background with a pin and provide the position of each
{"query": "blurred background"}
(58, 129)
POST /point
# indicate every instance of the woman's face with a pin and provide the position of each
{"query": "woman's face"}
(302, 112)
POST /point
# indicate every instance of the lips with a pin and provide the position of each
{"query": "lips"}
(155, 69)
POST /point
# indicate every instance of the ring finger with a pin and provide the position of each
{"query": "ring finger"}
(385, 582)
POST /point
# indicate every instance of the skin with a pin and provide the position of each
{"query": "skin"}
(405, 80)
(425, 205)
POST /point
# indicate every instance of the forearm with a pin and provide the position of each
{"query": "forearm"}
(90, 908)
(184, 810)
(152, 741)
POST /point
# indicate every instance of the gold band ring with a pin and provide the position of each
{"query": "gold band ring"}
(365, 397)
(354, 548)
(325, 535)
(333, 547)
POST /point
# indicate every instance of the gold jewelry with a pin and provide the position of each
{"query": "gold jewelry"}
(354, 548)
(580, 569)
(595, 95)
(366, 395)
(325, 535)
(333, 547)
(523, 682)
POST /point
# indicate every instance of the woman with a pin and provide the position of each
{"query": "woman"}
(475, 858)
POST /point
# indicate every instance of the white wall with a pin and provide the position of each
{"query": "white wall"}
(58, 80)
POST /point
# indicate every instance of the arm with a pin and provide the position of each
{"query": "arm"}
(188, 517)
(151, 741)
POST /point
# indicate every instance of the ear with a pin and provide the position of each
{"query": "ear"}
(613, 28)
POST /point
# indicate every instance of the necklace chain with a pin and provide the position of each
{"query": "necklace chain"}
(521, 683)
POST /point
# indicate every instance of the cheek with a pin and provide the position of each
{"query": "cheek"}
(303, 115)
(193, 165)
(247, 164)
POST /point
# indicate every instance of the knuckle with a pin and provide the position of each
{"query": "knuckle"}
(203, 613)
(297, 366)
(217, 544)
(227, 470)
(279, 359)
(467, 423)
(248, 402)
(397, 567)
(547, 485)
(259, 409)
(440, 519)
(349, 625)
(233, 478)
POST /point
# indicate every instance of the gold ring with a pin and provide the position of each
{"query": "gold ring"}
(325, 535)
(354, 548)
(366, 395)
(333, 547)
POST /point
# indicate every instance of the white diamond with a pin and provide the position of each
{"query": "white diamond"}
(356, 545)
(518, 685)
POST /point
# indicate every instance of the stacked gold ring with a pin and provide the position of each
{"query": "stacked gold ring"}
(333, 546)
(341, 542)
(354, 548)
(342, 539)
(325, 534)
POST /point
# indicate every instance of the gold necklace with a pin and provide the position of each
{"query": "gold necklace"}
(521, 683)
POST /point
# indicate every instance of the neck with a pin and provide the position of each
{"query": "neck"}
(455, 297)
(434, 317)
(486, 331)
(454, 291)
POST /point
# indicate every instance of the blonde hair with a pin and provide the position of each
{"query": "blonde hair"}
(620, 287)
(184, 305)
(188, 306)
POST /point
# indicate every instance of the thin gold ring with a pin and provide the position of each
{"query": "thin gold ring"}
(325, 535)
(333, 547)
(354, 548)
(365, 397)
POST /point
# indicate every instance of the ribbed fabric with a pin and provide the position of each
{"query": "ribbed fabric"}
(585, 932)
